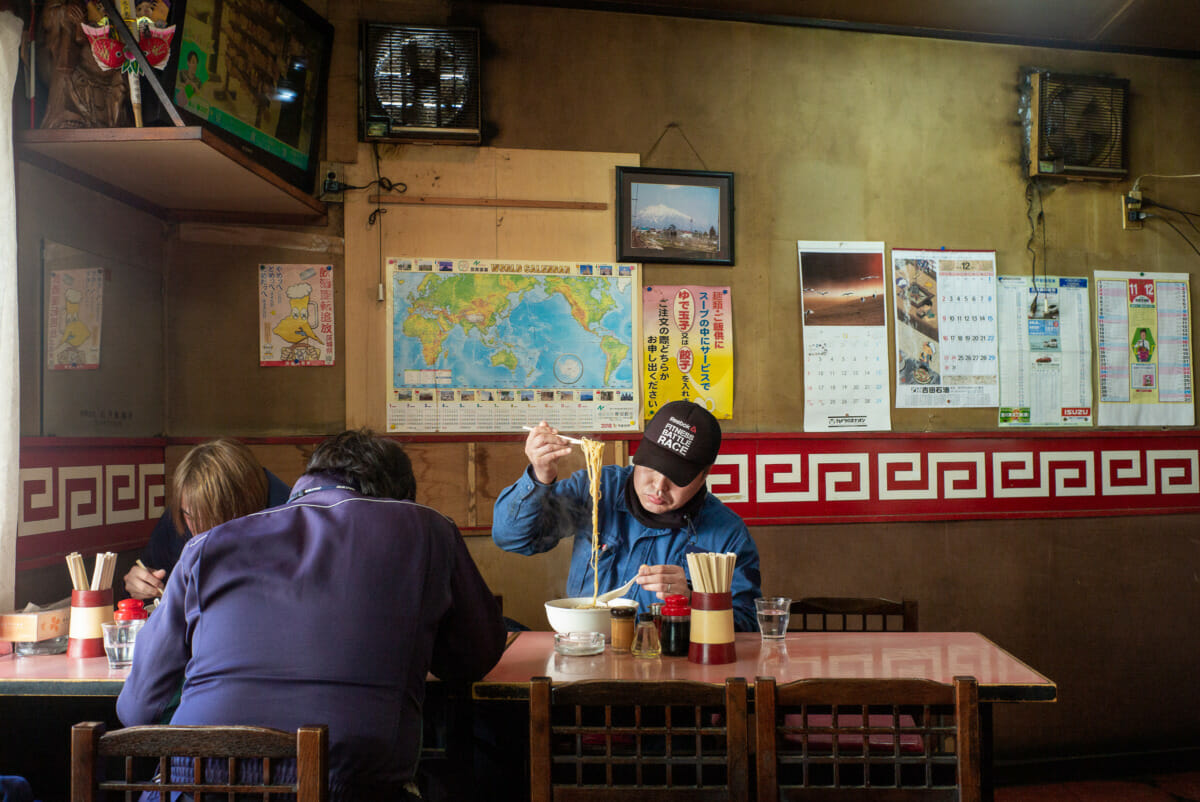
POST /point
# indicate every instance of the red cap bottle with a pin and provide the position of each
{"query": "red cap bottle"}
(677, 626)
(130, 610)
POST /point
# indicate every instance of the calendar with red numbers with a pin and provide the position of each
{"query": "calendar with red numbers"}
(946, 350)
(1144, 331)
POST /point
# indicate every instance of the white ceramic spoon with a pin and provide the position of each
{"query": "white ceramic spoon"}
(613, 594)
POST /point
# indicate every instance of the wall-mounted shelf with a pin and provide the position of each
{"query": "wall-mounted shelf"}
(176, 174)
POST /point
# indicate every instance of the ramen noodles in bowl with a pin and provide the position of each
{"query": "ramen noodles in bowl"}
(576, 614)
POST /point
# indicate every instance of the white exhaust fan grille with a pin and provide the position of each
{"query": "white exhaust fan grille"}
(419, 84)
(1078, 126)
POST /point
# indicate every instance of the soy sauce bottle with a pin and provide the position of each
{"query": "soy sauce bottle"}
(676, 626)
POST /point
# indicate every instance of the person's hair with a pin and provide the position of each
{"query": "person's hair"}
(216, 482)
(372, 465)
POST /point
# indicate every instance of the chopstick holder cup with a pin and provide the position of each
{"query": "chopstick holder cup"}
(712, 629)
(89, 609)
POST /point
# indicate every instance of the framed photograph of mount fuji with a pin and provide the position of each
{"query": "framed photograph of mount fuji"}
(674, 216)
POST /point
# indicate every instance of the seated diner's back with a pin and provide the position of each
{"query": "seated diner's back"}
(852, 614)
(264, 763)
(860, 739)
(630, 740)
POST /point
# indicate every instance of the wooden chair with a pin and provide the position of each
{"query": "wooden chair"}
(615, 740)
(920, 740)
(848, 614)
(222, 761)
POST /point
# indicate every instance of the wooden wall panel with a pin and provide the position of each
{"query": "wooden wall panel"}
(445, 476)
(465, 232)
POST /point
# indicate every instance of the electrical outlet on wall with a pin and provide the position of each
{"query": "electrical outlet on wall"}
(331, 179)
(1131, 211)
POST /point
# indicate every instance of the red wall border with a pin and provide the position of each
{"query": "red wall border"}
(95, 494)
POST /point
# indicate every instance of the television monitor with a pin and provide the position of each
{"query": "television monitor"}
(255, 73)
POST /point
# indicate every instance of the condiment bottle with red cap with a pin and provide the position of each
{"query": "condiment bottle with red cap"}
(130, 610)
(676, 626)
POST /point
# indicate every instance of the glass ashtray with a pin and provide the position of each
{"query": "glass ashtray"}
(574, 644)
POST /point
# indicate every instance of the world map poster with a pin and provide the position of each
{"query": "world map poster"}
(493, 345)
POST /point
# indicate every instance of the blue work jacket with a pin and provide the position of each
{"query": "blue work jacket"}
(531, 518)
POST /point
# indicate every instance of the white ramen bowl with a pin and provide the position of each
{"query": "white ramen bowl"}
(565, 615)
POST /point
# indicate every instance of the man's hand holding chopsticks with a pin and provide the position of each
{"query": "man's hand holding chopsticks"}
(544, 448)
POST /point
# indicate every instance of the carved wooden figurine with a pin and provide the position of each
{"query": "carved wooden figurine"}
(82, 93)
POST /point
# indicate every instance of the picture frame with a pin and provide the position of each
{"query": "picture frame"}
(674, 216)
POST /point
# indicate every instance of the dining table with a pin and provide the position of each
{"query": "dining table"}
(937, 656)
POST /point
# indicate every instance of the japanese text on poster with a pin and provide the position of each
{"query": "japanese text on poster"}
(295, 315)
(945, 328)
(1045, 351)
(486, 345)
(844, 318)
(74, 307)
(689, 347)
(1144, 333)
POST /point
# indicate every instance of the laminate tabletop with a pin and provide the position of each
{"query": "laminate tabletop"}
(939, 656)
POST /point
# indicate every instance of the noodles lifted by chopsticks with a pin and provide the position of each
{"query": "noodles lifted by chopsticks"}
(593, 452)
(712, 572)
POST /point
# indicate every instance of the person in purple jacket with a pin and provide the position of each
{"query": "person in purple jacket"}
(331, 609)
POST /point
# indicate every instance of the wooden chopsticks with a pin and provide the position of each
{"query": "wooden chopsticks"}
(712, 572)
(102, 574)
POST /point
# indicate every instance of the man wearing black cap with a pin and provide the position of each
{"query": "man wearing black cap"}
(652, 514)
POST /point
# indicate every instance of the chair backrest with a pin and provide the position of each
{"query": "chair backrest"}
(850, 614)
(624, 739)
(892, 739)
(248, 761)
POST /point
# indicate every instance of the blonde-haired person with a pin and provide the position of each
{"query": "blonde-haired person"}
(215, 482)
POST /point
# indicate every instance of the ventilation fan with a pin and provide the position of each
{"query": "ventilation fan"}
(1078, 126)
(419, 84)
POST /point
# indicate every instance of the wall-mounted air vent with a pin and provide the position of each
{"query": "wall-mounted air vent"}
(419, 84)
(1078, 126)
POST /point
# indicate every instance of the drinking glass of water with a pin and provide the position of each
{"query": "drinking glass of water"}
(119, 640)
(773, 613)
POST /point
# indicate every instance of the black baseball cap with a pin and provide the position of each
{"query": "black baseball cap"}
(680, 441)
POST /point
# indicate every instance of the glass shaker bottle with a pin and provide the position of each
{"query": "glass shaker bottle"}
(622, 628)
(676, 626)
(645, 639)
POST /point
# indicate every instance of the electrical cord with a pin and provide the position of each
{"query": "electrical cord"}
(1033, 188)
(373, 218)
(383, 182)
(1178, 231)
(1187, 216)
(1138, 183)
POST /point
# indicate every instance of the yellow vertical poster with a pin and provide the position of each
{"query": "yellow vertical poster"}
(688, 333)
(74, 309)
